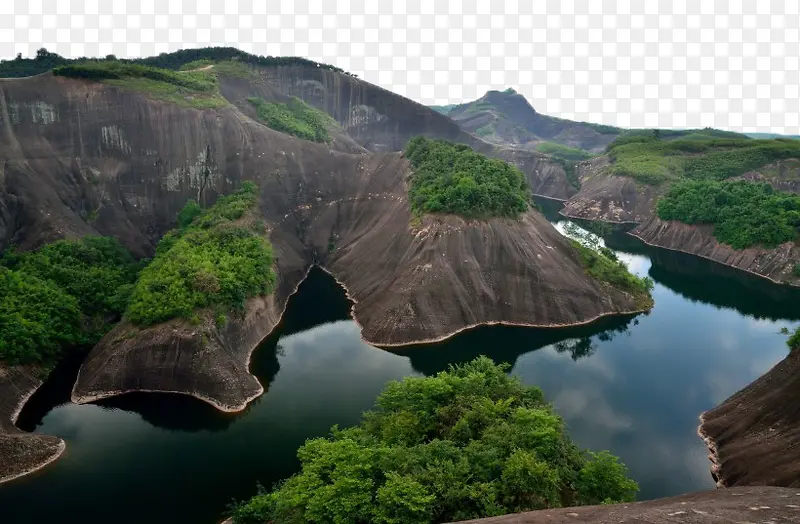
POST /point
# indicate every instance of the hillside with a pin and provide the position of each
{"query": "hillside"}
(506, 117)
(118, 150)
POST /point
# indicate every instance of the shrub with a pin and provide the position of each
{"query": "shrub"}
(796, 270)
(452, 178)
(215, 260)
(794, 341)
(294, 118)
(467, 443)
(743, 213)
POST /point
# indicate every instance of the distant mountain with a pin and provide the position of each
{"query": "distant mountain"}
(444, 109)
(772, 135)
(506, 117)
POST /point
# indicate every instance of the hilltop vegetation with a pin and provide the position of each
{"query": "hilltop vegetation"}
(295, 118)
(452, 178)
(45, 61)
(656, 156)
(743, 213)
(218, 258)
(66, 294)
(188, 88)
(467, 443)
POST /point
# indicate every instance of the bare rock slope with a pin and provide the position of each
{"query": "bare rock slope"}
(754, 436)
(82, 158)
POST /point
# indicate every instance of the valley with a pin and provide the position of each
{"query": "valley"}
(262, 206)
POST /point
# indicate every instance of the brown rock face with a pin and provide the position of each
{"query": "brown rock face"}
(735, 505)
(754, 436)
(776, 264)
(84, 158)
(20, 452)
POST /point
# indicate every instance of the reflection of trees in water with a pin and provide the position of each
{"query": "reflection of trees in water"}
(507, 343)
(583, 347)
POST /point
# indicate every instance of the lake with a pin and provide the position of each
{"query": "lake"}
(633, 385)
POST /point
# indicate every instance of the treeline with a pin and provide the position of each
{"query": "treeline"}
(743, 213)
(295, 118)
(45, 61)
(452, 178)
(468, 443)
(65, 295)
(70, 293)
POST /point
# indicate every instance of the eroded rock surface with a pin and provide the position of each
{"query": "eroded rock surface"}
(735, 505)
(754, 436)
(21, 452)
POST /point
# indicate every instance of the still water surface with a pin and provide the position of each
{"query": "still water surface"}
(632, 385)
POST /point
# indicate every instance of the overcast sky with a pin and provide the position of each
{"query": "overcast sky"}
(676, 63)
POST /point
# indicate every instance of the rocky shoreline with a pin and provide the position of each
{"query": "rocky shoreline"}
(22, 452)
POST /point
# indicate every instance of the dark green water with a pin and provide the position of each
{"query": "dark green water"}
(635, 386)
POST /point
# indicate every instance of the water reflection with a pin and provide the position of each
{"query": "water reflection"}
(507, 343)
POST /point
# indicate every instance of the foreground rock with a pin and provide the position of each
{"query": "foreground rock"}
(21, 452)
(734, 505)
(754, 436)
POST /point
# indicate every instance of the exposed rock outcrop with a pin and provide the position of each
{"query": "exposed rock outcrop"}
(82, 158)
(21, 452)
(741, 505)
(754, 436)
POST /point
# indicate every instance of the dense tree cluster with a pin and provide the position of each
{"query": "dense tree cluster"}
(46, 61)
(63, 295)
(467, 443)
(452, 178)
(218, 258)
(742, 213)
(655, 156)
(295, 118)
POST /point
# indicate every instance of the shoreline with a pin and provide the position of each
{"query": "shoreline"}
(713, 452)
(62, 445)
(631, 233)
(238, 408)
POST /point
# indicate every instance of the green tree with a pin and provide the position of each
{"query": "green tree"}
(467, 443)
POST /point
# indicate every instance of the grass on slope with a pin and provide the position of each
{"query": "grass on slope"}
(743, 213)
(295, 118)
(564, 152)
(198, 89)
(656, 156)
(66, 294)
(219, 258)
(452, 178)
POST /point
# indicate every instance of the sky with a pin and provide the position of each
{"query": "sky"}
(732, 64)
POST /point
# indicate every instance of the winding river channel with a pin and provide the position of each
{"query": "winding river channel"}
(634, 385)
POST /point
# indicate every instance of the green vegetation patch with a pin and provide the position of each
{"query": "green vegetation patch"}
(66, 294)
(794, 340)
(198, 89)
(217, 259)
(295, 118)
(743, 213)
(467, 443)
(564, 152)
(452, 178)
(655, 156)
(603, 264)
(485, 131)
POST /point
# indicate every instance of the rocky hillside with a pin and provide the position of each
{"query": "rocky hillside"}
(119, 158)
(506, 117)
